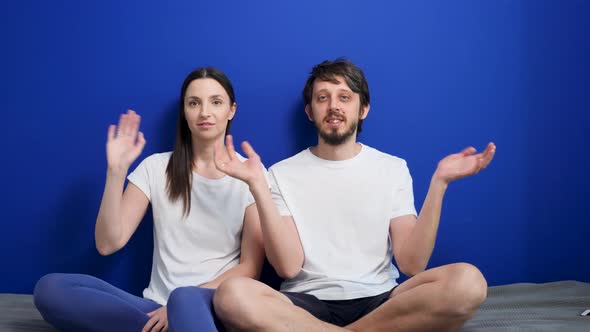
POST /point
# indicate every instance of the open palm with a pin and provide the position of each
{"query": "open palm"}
(124, 142)
(464, 163)
(226, 160)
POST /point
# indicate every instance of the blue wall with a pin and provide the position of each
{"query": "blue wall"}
(442, 76)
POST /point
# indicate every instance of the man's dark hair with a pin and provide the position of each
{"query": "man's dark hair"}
(353, 75)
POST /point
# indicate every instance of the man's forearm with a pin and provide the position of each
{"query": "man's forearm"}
(419, 246)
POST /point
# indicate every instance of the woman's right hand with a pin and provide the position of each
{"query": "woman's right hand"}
(124, 142)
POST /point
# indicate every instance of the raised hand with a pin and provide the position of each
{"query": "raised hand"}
(226, 160)
(464, 163)
(158, 321)
(124, 142)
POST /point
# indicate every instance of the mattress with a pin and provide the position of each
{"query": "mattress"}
(552, 306)
(18, 313)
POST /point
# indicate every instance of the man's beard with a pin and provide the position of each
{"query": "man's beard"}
(332, 137)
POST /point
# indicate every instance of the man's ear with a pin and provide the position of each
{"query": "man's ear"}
(309, 112)
(364, 111)
(232, 111)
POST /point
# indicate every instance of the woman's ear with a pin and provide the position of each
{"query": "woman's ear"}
(232, 111)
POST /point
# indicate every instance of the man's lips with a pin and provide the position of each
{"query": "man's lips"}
(333, 121)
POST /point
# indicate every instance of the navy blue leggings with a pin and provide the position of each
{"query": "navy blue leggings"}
(78, 302)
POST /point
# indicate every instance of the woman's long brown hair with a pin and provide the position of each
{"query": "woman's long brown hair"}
(179, 170)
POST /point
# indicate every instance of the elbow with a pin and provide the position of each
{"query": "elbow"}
(412, 269)
(287, 271)
(104, 248)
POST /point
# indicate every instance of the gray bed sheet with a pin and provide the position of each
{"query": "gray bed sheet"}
(18, 313)
(552, 306)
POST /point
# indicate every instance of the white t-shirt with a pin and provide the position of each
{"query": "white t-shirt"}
(342, 211)
(192, 250)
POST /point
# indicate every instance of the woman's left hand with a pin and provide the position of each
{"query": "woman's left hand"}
(158, 321)
(249, 171)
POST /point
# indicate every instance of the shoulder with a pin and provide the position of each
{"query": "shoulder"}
(159, 157)
(294, 161)
(156, 160)
(377, 157)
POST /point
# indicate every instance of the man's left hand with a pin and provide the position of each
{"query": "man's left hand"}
(464, 163)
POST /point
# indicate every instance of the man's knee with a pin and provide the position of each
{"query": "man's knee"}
(233, 302)
(465, 289)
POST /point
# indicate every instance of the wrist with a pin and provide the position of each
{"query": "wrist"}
(438, 182)
(258, 186)
(117, 171)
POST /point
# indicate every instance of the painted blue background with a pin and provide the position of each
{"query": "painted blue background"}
(443, 75)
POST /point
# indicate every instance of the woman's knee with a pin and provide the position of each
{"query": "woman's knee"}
(50, 288)
(188, 296)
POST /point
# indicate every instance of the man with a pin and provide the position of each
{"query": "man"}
(342, 211)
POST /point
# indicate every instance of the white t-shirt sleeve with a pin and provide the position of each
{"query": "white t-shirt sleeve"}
(277, 196)
(403, 195)
(140, 177)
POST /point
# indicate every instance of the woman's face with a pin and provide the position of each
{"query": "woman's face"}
(207, 108)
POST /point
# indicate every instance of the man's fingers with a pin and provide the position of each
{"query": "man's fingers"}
(468, 151)
(489, 154)
(491, 151)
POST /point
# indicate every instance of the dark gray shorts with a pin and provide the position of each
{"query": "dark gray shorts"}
(338, 312)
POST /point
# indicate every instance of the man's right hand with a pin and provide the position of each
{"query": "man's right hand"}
(124, 142)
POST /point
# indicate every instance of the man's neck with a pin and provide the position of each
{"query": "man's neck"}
(344, 151)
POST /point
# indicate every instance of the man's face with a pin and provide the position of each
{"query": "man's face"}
(335, 110)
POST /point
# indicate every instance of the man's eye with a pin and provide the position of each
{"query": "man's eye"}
(322, 98)
(345, 97)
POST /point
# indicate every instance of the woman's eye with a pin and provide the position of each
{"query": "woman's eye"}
(217, 102)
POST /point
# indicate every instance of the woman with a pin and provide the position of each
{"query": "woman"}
(206, 226)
